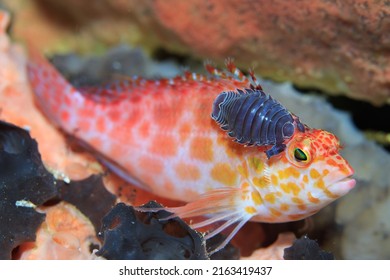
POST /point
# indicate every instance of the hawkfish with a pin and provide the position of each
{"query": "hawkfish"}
(160, 136)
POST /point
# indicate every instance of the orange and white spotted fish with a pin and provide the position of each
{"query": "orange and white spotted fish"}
(159, 135)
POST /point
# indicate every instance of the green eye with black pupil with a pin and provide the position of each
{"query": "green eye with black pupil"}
(300, 155)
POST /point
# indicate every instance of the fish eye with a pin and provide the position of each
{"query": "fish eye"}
(299, 152)
(300, 155)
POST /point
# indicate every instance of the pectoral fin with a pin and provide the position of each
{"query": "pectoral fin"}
(221, 205)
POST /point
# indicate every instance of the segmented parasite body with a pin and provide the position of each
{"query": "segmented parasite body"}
(253, 117)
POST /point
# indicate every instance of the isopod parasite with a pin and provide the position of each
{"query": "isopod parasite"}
(254, 118)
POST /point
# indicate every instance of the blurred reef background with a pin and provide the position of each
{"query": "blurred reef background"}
(336, 46)
(326, 61)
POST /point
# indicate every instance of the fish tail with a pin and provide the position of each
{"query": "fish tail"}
(54, 94)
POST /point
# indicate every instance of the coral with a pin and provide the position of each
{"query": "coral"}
(24, 185)
(66, 234)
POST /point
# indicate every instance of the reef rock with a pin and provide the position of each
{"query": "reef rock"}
(337, 46)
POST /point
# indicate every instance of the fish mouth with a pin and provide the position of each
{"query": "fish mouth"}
(342, 186)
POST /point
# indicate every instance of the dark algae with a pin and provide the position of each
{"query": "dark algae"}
(306, 249)
(24, 184)
(129, 234)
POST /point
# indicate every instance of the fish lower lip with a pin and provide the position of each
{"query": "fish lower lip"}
(343, 186)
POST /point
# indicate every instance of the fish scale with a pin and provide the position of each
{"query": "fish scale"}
(160, 136)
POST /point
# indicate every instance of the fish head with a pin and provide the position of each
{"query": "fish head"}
(308, 175)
